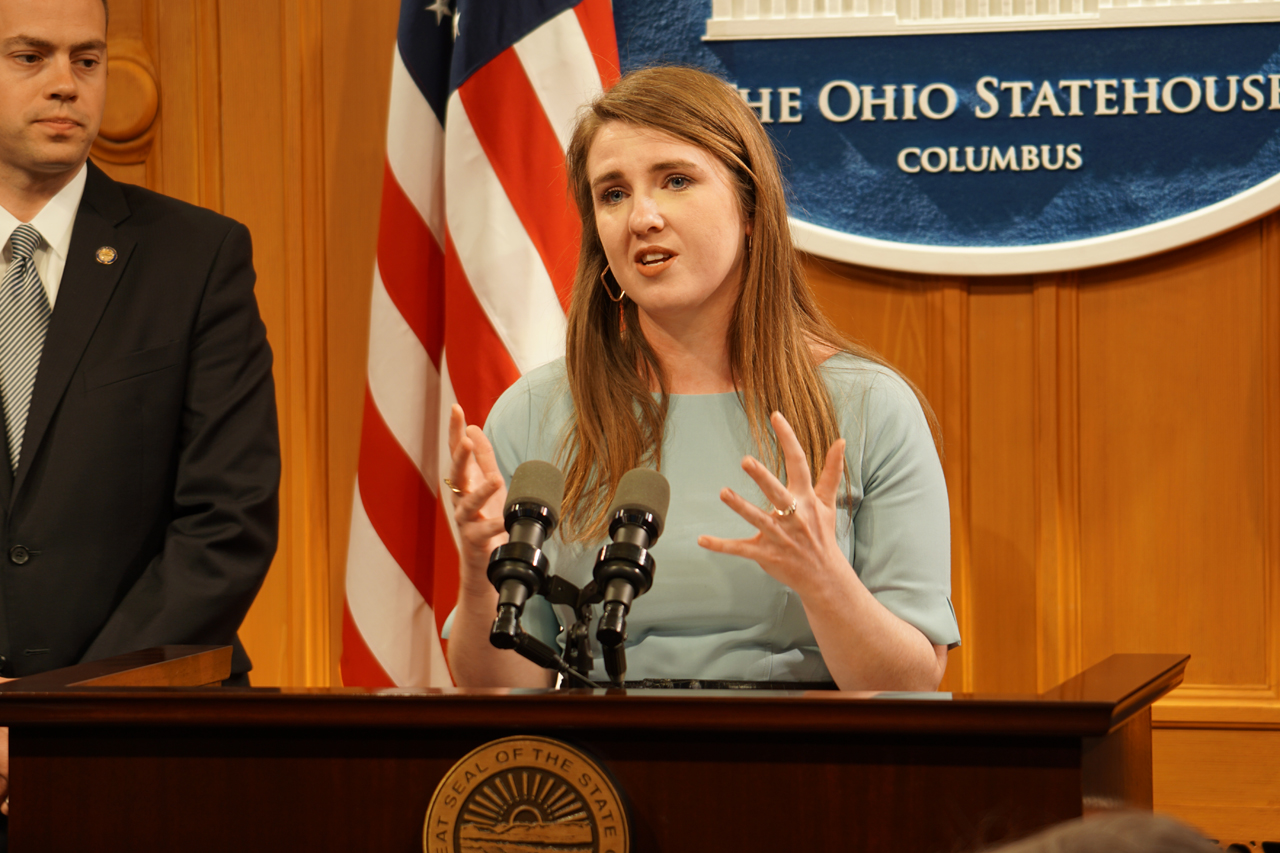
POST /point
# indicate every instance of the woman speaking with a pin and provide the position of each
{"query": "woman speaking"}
(807, 537)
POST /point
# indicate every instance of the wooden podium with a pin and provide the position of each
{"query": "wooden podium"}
(98, 764)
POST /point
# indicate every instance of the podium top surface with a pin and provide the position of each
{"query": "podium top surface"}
(1091, 704)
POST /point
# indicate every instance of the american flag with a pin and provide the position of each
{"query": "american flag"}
(477, 246)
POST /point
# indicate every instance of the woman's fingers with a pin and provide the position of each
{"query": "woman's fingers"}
(472, 501)
(749, 511)
(458, 460)
(799, 478)
(473, 465)
(832, 471)
(484, 529)
(486, 468)
(734, 547)
(774, 492)
(461, 450)
(457, 426)
(797, 540)
(483, 450)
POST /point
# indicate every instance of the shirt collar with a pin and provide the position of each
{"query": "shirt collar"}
(54, 221)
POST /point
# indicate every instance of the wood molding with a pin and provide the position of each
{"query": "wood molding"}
(309, 316)
(1228, 713)
(1201, 706)
(1270, 369)
(301, 382)
(948, 390)
(133, 103)
(208, 104)
(1057, 473)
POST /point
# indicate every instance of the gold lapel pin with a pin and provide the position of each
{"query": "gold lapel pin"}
(107, 255)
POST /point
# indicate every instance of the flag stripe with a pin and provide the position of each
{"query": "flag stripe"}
(497, 96)
(494, 252)
(401, 380)
(359, 666)
(445, 575)
(481, 369)
(411, 264)
(397, 625)
(415, 148)
(596, 19)
(397, 501)
(558, 61)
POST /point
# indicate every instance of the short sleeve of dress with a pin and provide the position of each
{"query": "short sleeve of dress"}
(508, 427)
(519, 431)
(901, 539)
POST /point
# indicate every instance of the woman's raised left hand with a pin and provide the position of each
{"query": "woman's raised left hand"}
(796, 543)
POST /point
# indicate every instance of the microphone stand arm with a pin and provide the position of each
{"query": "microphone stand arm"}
(508, 634)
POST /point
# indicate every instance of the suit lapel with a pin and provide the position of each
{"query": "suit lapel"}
(83, 294)
(6, 473)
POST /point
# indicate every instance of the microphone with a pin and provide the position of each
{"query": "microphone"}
(518, 569)
(624, 569)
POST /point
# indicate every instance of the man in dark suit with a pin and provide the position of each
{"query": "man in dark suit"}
(139, 496)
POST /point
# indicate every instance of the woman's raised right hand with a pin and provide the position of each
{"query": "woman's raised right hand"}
(479, 495)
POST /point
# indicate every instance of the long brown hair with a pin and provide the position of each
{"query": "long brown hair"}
(774, 331)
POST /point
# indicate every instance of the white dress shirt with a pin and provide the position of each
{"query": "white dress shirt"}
(54, 224)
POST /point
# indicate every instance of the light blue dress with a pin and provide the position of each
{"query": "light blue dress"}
(714, 616)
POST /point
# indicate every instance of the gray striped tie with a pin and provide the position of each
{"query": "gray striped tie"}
(24, 319)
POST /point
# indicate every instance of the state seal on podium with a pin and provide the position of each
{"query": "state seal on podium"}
(519, 794)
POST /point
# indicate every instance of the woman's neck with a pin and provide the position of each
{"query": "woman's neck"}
(694, 357)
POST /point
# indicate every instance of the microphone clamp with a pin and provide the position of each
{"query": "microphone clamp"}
(623, 571)
(520, 562)
(631, 523)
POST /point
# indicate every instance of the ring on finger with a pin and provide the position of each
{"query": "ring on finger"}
(783, 513)
(453, 488)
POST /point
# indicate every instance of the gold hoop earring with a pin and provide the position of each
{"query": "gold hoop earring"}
(621, 293)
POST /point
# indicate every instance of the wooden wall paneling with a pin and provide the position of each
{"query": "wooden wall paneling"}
(1002, 459)
(129, 123)
(122, 149)
(948, 390)
(208, 111)
(359, 37)
(1271, 448)
(309, 619)
(1056, 474)
(189, 138)
(1113, 455)
(888, 312)
(1171, 437)
(1225, 783)
(180, 147)
(272, 156)
(253, 129)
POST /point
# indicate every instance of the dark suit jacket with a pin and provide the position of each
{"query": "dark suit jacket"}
(144, 508)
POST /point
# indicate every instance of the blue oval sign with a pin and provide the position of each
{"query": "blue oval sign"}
(1002, 151)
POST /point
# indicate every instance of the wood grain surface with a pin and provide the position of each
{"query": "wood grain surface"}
(698, 770)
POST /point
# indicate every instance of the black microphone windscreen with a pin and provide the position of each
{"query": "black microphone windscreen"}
(537, 482)
(643, 489)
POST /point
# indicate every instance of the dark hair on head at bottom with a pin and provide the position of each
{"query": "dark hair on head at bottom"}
(1115, 832)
